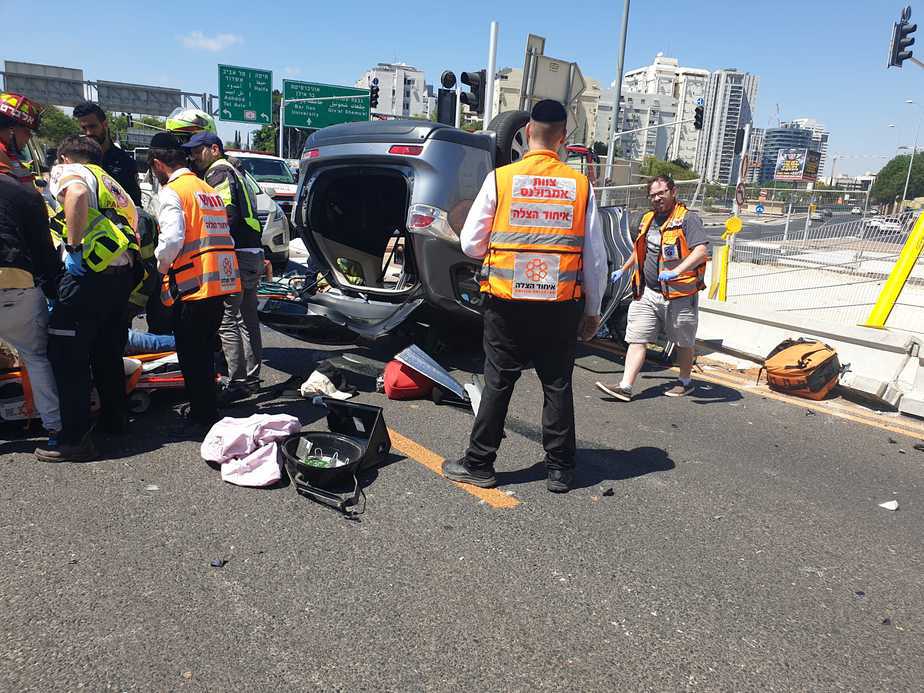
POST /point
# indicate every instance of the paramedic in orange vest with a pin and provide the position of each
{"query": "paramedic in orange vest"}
(669, 262)
(535, 226)
(195, 253)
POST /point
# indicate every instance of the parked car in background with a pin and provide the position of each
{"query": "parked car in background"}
(816, 216)
(856, 210)
(272, 173)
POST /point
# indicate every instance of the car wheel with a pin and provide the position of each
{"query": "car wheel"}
(510, 130)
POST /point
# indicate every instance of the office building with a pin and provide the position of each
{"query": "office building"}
(731, 97)
(402, 91)
(775, 139)
(756, 151)
(819, 138)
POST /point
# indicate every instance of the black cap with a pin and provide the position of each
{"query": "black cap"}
(549, 111)
(165, 140)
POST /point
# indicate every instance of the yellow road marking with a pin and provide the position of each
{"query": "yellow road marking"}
(730, 381)
(433, 462)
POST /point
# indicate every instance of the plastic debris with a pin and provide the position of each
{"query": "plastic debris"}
(609, 492)
(218, 563)
(809, 412)
(152, 487)
(860, 594)
(892, 441)
(889, 505)
(887, 621)
(919, 447)
(187, 675)
(902, 452)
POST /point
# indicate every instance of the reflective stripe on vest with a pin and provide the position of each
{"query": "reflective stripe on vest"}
(225, 191)
(537, 237)
(111, 226)
(207, 265)
(674, 250)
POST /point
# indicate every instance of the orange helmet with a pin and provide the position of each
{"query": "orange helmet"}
(20, 109)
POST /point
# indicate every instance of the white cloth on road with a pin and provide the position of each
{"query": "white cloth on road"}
(172, 225)
(246, 448)
(476, 236)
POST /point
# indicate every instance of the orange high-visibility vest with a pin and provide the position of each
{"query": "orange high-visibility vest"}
(207, 264)
(537, 237)
(674, 250)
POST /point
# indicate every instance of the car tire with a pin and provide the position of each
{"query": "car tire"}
(510, 131)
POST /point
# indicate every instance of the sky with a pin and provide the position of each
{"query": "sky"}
(824, 59)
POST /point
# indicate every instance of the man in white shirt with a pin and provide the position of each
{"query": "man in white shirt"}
(87, 327)
(536, 226)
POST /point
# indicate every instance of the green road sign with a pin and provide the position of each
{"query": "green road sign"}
(245, 95)
(320, 114)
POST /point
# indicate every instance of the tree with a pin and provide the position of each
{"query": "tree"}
(599, 148)
(656, 167)
(890, 181)
(56, 126)
(682, 164)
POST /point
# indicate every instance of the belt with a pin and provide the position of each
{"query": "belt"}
(117, 270)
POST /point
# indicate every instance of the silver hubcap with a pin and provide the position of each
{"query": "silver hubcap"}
(519, 146)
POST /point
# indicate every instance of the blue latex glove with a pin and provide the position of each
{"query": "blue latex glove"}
(614, 277)
(73, 263)
(667, 275)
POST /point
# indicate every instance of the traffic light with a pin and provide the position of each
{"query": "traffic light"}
(374, 95)
(476, 82)
(698, 117)
(446, 107)
(902, 40)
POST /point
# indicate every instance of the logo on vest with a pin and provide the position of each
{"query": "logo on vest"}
(116, 191)
(227, 273)
(535, 276)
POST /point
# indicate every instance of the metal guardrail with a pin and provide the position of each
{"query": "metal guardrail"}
(832, 272)
(634, 198)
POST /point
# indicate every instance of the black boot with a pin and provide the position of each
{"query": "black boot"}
(458, 470)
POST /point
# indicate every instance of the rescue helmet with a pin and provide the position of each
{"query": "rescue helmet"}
(189, 121)
(20, 109)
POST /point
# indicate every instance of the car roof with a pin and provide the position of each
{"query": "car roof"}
(247, 154)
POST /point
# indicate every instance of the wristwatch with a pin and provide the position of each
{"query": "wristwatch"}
(74, 248)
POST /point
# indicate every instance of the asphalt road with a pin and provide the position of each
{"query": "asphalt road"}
(757, 231)
(719, 542)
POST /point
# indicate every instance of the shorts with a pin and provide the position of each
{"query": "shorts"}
(652, 315)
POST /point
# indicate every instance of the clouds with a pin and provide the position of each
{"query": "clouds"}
(213, 44)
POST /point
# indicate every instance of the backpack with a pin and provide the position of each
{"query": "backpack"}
(802, 367)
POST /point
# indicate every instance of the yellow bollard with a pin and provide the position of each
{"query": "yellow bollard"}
(898, 276)
(718, 285)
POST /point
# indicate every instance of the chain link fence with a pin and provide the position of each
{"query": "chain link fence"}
(832, 272)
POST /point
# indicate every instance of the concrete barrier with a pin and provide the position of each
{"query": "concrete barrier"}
(884, 366)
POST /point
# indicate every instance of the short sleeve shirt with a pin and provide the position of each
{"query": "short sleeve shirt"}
(693, 230)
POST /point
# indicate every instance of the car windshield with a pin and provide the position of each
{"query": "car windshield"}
(252, 185)
(267, 170)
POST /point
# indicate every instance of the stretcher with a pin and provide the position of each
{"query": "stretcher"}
(144, 374)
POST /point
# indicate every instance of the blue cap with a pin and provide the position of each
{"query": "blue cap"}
(204, 139)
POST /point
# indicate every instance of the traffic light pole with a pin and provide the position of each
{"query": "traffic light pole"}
(491, 76)
(614, 125)
(284, 102)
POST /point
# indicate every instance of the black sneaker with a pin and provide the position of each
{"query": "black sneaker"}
(560, 480)
(616, 390)
(84, 451)
(457, 470)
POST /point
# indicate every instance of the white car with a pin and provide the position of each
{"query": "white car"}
(856, 210)
(271, 172)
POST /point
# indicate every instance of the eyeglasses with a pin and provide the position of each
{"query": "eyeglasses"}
(660, 193)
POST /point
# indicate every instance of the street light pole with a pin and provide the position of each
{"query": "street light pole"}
(614, 124)
(914, 148)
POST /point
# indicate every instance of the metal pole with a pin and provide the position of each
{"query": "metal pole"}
(458, 105)
(908, 177)
(744, 153)
(614, 125)
(490, 76)
(282, 120)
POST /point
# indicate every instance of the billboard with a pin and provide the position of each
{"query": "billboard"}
(799, 165)
(137, 98)
(47, 84)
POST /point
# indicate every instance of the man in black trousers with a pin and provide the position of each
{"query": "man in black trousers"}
(535, 225)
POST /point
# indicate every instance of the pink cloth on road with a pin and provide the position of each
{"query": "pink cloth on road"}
(246, 448)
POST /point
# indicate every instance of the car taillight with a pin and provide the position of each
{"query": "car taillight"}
(430, 221)
(312, 154)
(405, 149)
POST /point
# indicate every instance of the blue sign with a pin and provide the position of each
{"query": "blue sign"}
(759, 208)
(700, 101)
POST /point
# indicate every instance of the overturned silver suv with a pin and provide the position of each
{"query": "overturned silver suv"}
(380, 206)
